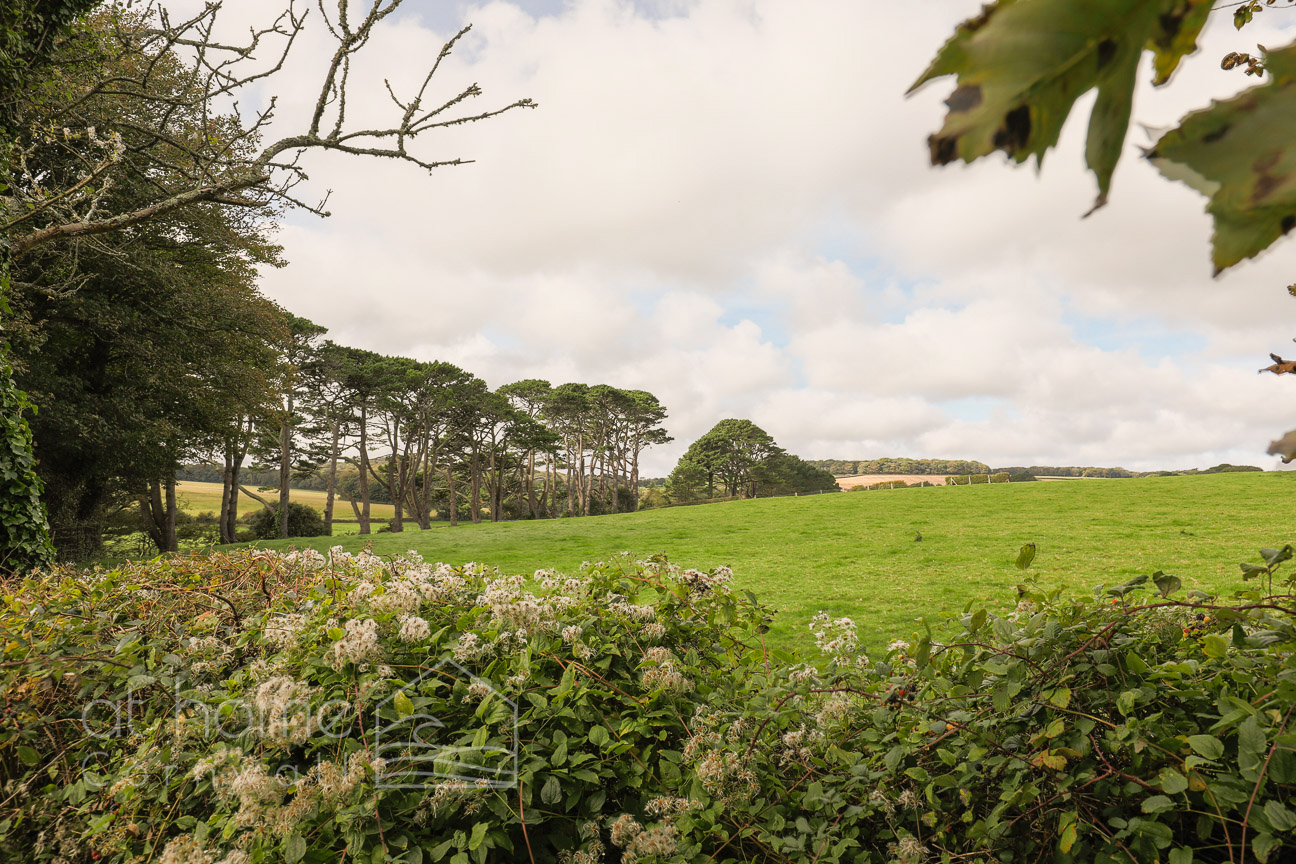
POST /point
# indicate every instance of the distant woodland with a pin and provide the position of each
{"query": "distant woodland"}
(945, 467)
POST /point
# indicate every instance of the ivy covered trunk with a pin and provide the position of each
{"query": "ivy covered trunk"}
(24, 530)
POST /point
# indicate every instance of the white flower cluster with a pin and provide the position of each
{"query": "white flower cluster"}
(571, 633)
(622, 606)
(400, 595)
(834, 709)
(591, 851)
(668, 806)
(414, 629)
(797, 746)
(309, 559)
(477, 691)
(652, 632)
(185, 850)
(470, 647)
(283, 711)
(663, 672)
(725, 775)
(284, 631)
(638, 843)
(701, 582)
(359, 645)
(209, 656)
(908, 850)
(264, 800)
(835, 636)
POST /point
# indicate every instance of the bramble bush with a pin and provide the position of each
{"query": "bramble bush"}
(244, 707)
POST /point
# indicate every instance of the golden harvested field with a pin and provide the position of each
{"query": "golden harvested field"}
(195, 498)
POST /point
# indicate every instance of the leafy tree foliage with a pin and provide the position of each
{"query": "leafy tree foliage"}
(1020, 67)
(738, 459)
(28, 30)
(302, 521)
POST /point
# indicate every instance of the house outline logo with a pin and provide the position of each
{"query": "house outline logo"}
(413, 759)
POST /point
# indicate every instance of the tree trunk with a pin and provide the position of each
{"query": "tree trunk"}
(454, 505)
(571, 490)
(497, 485)
(148, 516)
(332, 482)
(530, 486)
(474, 477)
(362, 515)
(285, 467)
(229, 491)
(169, 525)
(585, 481)
(634, 475)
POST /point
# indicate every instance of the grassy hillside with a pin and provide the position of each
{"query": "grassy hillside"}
(855, 554)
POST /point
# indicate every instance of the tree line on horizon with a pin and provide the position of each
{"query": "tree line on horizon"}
(960, 467)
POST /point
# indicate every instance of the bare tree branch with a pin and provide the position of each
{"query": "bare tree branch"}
(166, 83)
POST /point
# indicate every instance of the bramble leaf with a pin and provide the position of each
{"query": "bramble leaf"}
(1020, 67)
(1241, 154)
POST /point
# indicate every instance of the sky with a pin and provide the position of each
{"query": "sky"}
(729, 204)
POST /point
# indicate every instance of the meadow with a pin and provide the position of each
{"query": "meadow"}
(194, 498)
(856, 554)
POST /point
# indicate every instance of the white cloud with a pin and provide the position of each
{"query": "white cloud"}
(728, 203)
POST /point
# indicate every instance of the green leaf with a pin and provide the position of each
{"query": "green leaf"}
(404, 707)
(1166, 584)
(1280, 816)
(1241, 154)
(1157, 804)
(1025, 556)
(1067, 839)
(1263, 844)
(1021, 66)
(28, 755)
(598, 736)
(1276, 556)
(1180, 855)
(1207, 746)
(1253, 744)
(1001, 697)
(1061, 697)
(478, 835)
(551, 792)
(294, 848)
(1172, 782)
(1214, 645)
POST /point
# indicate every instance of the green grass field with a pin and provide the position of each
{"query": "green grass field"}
(195, 498)
(855, 554)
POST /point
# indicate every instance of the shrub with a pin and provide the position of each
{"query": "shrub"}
(238, 706)
(303, 521)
